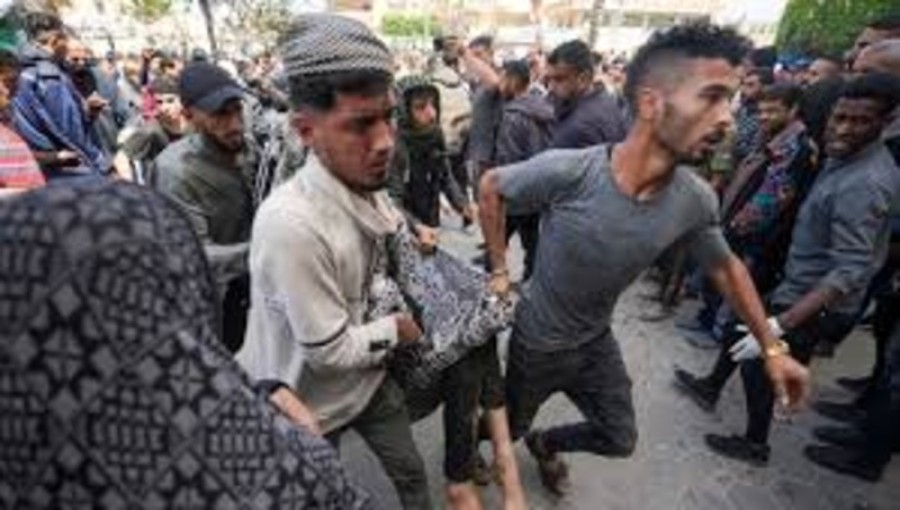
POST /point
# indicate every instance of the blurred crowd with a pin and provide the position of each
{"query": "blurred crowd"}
(264, 264)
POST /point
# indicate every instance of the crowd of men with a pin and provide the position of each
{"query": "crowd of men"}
(778, 209)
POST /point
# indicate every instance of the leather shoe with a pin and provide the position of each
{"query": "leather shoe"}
(847, 437)
(696, 389)
(553, 470)
(842, 412)
(739, 448)
(844, 461)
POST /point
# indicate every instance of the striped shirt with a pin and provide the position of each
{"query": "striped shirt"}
(18, 168)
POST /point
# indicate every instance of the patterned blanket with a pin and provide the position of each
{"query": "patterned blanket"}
(450, 301)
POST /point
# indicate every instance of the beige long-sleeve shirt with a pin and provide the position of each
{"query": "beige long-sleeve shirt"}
(311, 257)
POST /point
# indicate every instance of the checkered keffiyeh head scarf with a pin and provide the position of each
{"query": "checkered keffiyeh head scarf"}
(317, 44)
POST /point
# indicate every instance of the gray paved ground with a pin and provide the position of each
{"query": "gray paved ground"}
(671, 469)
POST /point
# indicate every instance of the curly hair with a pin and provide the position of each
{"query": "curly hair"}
(787, 94)
(668, 48)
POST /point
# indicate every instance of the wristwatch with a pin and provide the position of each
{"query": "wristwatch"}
(781, 348)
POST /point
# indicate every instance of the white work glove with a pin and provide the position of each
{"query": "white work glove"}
(748, 348)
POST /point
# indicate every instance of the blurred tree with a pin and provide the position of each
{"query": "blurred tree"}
(150, 10)
(594, 22)
(399, 25)
(206, 10)
(828, 25)
(54, 5)
(537, 17)
(258, 20)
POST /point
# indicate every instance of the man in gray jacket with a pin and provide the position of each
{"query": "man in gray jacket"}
(840, 240)
(208, 174)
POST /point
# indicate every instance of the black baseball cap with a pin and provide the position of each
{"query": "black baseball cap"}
(207, 87)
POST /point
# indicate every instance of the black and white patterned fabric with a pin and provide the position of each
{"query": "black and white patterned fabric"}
(448, 298)
(323, 43)
(115, 391)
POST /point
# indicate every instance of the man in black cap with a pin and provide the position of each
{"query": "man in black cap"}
(208, 173)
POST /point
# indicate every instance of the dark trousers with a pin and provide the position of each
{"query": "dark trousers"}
(528, 228)
(765, 276)
(712, 301)
(235, 307)
(385, 427)
(593, 377)
(473, 382)
(882, 424)
(460, 171)
(759, 396)
(887, 309)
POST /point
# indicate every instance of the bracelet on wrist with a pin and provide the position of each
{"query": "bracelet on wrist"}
(781, 348)
(500, 272)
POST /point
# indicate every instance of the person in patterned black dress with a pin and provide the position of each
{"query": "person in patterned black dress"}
(115, 389)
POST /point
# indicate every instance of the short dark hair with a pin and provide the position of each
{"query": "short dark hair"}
(518, 69)
(574, 53)
(439, 42)
(9, 61)
(818, 100)
(787, 94)
(765, 74)
(425, 91)
(688, 41)
(482, 41)
(889, 22)
(880, 87)
(40, 25)
(164, 85)
(320, 92)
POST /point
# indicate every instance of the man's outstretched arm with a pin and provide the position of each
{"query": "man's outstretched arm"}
(492, 212)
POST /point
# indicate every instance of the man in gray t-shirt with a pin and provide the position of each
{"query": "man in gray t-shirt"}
(606, 215)
(595, 239)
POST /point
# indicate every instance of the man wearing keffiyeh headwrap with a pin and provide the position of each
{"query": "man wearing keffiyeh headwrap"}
(315, 241)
